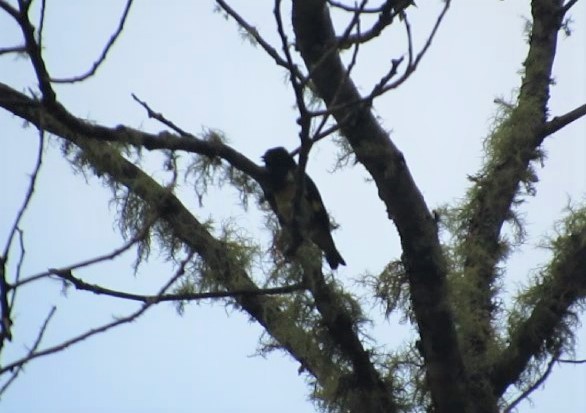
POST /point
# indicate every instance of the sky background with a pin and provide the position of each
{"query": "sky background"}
(193, 65)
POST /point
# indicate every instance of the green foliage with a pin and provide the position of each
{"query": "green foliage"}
(391, 289)
(205, 171)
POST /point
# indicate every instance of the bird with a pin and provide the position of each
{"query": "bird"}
(312, 217)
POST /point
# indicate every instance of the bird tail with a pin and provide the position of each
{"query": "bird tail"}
(334, 258)
(323, 239)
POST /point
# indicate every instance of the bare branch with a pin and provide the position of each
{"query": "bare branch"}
(28, 196)
(559, 122)
(251, 30)
(109, 256)
(103, 55)
(319, 133)
(96, 289)
(533, 386)
(14, 49)
(18, 368)
(14, 13)
(354, 9)
(98, 330)
(414, 63)
(161, 118)
(567, 361)
(18, 267)
(569, 5)
(388, 11)
(5, 287)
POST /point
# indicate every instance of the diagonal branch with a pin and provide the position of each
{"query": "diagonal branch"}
(5, 287)
(512, 148)
(19, 367)
(185, 227)
(251, 30)
(387, 13)
(102, 58)
(405, 205)
(98, 330)
(511, 407)
(29, 109)
(139, 236)
(564, 285)
(559, 122)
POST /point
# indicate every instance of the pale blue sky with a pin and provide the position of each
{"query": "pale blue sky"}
(192, 65)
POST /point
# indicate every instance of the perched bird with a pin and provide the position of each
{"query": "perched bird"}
(312, 217)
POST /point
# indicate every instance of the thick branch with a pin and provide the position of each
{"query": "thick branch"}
(405, 205)
(266, 310)
(564, 286)
(27, 108)
(512, 148)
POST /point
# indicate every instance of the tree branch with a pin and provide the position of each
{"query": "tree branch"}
(533, 386)
(29, 109)
(387, 13)
(559, 122)
(563, 286)
(251, 30)
(66, 274)
(13, 49)
(405, 205)
(29, 194)
(184, 226)
(513, 146)
(140, 235)
(19, 367)
(5, 287)
(102, 58)
(105, 327)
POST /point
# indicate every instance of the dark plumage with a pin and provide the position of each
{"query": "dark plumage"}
(313, 217)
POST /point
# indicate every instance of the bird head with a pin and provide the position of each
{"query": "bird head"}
(278, 159)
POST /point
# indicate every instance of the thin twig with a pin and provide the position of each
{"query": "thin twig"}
(413, 66)
(28, 196)
(42, 23)
(533, 387)
(388, 12)
(5, 287)
(17, 369)
(103, 328)
(13, 49)
(109, 256)
(353, 9)
(18, 266)
(251, 30)
(96, 289)
(161, 118)
(568, 361)
(105, 51)
(318, 135)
